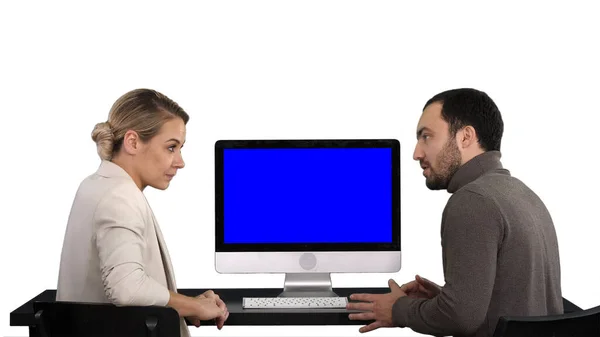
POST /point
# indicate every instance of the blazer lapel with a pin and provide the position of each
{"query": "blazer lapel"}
(110, 169)
(164, 252)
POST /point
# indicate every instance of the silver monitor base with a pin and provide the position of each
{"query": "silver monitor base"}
(307, 285)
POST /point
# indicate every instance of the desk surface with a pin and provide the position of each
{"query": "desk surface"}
(24, 315)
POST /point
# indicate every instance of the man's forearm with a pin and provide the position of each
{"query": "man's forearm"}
(470, 236)
(433, 316)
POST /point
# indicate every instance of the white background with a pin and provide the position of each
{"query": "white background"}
(304, 69)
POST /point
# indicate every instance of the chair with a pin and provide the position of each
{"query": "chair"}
(568, 306)
(70, 319)
(573, 323)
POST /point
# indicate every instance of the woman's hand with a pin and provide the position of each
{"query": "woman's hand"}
(207, 303)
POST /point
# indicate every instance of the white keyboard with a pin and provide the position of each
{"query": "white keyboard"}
(294, 302)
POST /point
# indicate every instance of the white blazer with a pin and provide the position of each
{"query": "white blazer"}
(113, 250)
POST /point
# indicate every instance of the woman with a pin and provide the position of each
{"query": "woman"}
(113, 249)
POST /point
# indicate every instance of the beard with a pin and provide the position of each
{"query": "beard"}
(448, 162)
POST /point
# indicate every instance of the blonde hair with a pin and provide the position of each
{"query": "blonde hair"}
(141, 110)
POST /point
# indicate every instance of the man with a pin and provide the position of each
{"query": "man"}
(499, 245)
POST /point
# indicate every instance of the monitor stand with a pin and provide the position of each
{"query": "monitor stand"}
(307, 285)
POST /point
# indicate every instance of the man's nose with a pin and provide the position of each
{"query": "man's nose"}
(418, 154)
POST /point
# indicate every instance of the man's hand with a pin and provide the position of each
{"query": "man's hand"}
(377, 307)
(421, 288)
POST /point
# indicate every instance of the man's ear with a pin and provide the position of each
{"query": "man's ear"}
(467, 137)
(131, 142)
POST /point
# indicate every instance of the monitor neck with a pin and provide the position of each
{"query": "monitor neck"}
(307, 285)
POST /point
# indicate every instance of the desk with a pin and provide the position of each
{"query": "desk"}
(24, 315)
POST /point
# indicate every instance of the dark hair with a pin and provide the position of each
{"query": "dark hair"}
(462, 107)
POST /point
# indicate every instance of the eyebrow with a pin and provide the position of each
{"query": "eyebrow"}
(421, 131)
(174, 140)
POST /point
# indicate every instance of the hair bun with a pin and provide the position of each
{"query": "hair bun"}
(103, 136)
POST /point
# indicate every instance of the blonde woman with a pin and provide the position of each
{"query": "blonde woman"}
(113, 250)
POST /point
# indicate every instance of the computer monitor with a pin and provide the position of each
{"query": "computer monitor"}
(307, 208)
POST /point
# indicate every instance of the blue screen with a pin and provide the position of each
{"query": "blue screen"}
(333, 195)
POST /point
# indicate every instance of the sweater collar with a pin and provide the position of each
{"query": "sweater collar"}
(475, 168)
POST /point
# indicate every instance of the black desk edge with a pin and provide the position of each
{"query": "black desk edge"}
(25, 317)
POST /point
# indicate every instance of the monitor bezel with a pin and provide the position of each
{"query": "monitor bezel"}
(221, 145)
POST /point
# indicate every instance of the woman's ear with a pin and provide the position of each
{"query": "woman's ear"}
(131, 142)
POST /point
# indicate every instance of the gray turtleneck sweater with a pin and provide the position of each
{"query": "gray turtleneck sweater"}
(499, 252)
